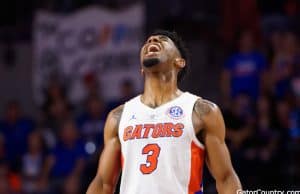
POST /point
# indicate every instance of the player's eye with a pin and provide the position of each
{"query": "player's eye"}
(163, 38)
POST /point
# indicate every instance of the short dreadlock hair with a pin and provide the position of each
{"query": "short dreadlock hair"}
(180, 46)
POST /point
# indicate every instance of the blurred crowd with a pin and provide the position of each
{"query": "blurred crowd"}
(261, 107)
(58, 150)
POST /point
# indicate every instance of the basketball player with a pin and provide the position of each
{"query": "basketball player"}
(161, 138)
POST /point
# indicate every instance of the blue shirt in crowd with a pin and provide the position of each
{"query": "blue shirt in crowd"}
(15, 136)
(91, 129)
(66, 158)
(245, 70)
(295, 124)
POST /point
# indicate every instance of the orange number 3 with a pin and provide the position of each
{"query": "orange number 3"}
(152, 151)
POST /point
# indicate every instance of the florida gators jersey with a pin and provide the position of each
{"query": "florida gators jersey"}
(160, 151)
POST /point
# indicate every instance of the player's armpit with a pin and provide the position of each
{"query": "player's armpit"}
(217, 155)
(110, 162)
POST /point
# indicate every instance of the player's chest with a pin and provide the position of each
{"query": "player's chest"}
(163, 125)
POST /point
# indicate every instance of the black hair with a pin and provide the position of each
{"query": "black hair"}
(180, 46)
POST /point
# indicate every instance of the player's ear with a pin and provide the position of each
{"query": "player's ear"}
(180, 62)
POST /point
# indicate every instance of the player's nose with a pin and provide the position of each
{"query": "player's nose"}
(153, 39)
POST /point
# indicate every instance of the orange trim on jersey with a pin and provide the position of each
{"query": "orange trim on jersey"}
(197, 160)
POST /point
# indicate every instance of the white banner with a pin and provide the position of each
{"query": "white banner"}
(92, 41)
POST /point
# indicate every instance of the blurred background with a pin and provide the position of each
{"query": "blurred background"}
(64, 64)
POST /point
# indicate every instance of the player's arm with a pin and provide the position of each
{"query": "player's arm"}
(109, 164)
(217, 154)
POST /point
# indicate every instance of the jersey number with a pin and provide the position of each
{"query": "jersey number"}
(152, 151)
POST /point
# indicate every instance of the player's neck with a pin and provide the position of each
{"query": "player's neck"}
(159, 90)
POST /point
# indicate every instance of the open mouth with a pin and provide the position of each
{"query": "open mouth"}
(153, 48)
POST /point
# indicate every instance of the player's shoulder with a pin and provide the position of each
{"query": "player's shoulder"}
(112, 122)
(117, 111)
(204, 107)
(114, 116)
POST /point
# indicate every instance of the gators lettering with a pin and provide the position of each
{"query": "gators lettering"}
(153, 130)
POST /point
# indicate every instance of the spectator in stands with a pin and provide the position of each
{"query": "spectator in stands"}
(238, 15)
(15, 128)
(127, 91)
(32, 163)
(282, 121)
(56, 109)
(295, 89)
(243, 70)
(4, 188)
(71, 185)
(294, 141)
(55, 92)
(67, 158)
(58, 112)
(265, 133)
(265, 142)
(2, 147)
(283, 66)
(92, 85)
(10, 182)
(274, 44)
(273, 16)
(91, 122)
(239, 122)
(91, 128)
(295, 118)
(292, 11)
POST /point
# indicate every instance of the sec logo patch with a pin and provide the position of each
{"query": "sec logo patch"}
(175, 112)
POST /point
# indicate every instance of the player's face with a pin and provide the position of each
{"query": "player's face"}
(158, 50)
